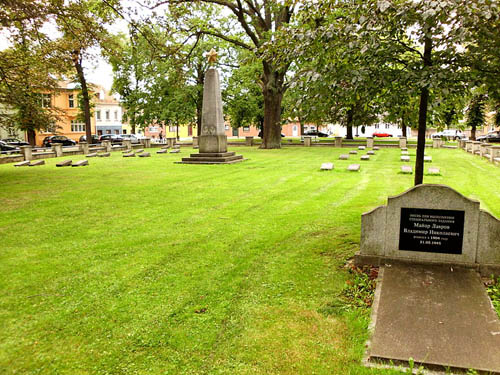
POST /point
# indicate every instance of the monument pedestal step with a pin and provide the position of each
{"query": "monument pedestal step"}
(210, 158)
(213, 154)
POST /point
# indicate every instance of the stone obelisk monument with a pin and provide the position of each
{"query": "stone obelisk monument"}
(213, 140)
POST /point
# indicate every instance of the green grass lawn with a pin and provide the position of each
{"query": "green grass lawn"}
(143, 266)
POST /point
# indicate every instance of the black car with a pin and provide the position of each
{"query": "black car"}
(94, 139)
(15, 142)
(6, 149)
(315, 133)
(48, 141)
(490, 137)
(114, 138)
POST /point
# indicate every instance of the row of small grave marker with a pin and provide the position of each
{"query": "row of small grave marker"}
(128, 153)
(64, 163)
(351, 167)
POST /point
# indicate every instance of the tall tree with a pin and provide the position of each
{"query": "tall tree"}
(252, 25)
(27, 68)
(83, 26)
(475, 114)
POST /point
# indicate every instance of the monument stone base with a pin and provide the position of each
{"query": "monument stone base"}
(213, 150)
(213, 143)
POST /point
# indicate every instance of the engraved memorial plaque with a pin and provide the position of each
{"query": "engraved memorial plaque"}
(429, 230)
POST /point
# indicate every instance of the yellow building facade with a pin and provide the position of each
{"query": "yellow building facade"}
(65, 100)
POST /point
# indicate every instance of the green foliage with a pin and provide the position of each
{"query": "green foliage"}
(494, 293)
(359, 289)
(475, 112)
(244, 103)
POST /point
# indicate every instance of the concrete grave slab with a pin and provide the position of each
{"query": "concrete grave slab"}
(365, 157)
(354, 167)
(162, 151)
(434, 170)
(344, 157)
(440, 316)
(104, 155)
(81, 163)
(376, 148)
(406, 169)
(326, 166)
(175, 151)
(176, 146)
(370, 152)
(353, 152)
(428, 158)
(37, 163)
(144, 155)
(405, 158)
(92, 155)
(404, 148)
(165, 147)
(405, 153)
(138, 151)
(361, 147)
(25, 163)
(64, 163)
(129, 155)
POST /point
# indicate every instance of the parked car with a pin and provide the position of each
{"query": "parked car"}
(15, 142)
(114, 138)
(132, 137)
(449, 134)
(315, 133)
(382, 134)
(94, 139)
(493, 136)
(6, 149)
(48, 141)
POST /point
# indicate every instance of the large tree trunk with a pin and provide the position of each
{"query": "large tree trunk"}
(422, 117)
(403, 127)
(350, 117)
(273, 89)
(77, 60)
(473, 133)
(31, 137)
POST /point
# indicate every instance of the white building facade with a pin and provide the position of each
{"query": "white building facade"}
(108, 114)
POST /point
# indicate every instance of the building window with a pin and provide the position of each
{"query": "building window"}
(154, 129)
(172, 128)
(71, 101)
(108, 131)
(107, 115)
(124, 131)
(226, 127)
(117, 132)
(46, 100)
(376, 126)
(99, 132)
(246, 128)
(387, 126)
(98, 115)
(77, 127)
(116, 115)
